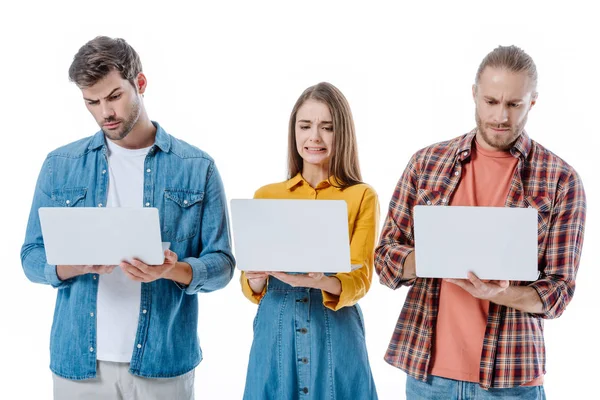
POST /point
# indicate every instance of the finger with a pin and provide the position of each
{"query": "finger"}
(140, 265)
(134, 271)
(316, 275)
(256, 275)
(476, 281)
(132, 276)
(107, 269)
(170, 256)
(502, 284)
(460, 282)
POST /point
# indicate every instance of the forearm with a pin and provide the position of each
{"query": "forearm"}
(409, 269)
(210, 272)
(522, 298)
(65, 272)
(331, 285)
(181, 273)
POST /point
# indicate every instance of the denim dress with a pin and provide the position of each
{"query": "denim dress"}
(310, 344)
(303, 350)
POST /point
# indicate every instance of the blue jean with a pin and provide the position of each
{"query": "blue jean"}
(437, 388)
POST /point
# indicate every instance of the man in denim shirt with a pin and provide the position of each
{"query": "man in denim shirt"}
(129, 331)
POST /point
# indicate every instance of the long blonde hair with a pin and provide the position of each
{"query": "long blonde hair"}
(344, 166)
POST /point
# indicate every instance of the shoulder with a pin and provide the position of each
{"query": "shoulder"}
(74, 149)
(271, 190)
(184, 150)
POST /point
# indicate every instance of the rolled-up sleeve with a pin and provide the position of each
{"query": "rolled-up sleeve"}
(563, 249)
(397, 240)
(33, 252)
(356, 284)
(214, 268)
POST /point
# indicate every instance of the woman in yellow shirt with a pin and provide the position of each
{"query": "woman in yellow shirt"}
(309, 338)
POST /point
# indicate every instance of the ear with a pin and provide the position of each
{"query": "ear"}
(534, 96)
(474, 90)
(141, 82)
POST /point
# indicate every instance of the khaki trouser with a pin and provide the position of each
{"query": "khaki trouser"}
(114, 382)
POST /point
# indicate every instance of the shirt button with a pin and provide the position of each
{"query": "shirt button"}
(144, 311)
(428, 202)
(185, 202)
(103, 171)
(91, 314)
(465, 153)
(305, 390)
(148, 170)
(139, 346)
(95, 277)
(147, 204)
(303, 330)
(100, 204)
(305, 360)
(68, 201)
(444, 200)
(91, 349)
(457, 173)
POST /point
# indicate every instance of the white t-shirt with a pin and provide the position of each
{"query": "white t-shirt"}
(119, 297)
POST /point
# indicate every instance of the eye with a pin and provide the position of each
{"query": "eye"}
(115, 97)
(328, 128)
(490, 102)
(304, 127)
(514, 105)
(93, 103)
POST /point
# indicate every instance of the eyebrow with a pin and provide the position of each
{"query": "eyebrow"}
(508, 101)
(110, 94)
(310, 122)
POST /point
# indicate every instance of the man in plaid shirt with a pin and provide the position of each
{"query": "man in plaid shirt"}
(461, 338)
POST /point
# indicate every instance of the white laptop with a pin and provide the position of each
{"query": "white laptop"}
(291, 235)
(498, 243)
(101, 236)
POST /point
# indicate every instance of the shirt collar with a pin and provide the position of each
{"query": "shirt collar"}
(521, 147)
(299, 180)
(162, 140)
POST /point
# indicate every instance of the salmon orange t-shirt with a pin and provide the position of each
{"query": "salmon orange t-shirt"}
(462, 318)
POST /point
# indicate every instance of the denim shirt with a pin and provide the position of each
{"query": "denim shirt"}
(184, 184)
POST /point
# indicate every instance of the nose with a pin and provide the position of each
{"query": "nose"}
(500, 114)
(315, 135)
(107, 110)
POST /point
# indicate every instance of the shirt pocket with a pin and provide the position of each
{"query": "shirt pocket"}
(543, 205)
(69, 197)
(182, 214)
(429, 198)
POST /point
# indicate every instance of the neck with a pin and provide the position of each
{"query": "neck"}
(142, 134)
(315, 174)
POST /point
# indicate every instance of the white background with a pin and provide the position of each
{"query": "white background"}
(224, 77)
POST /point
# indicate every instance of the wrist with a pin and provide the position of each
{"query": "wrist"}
(64, 272)
(331, 284)
(180, 273)
(257, 285)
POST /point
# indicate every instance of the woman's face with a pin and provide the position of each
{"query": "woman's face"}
(314, 133)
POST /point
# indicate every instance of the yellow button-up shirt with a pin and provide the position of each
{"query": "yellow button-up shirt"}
(363, 219)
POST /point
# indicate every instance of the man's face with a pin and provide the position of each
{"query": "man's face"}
(115, 104)
(502, 101)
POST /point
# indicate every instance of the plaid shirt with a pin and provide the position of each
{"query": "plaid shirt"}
(513, 347)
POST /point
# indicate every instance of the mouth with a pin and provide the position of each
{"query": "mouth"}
(315, 150)
(500, 130)
(112, 125)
